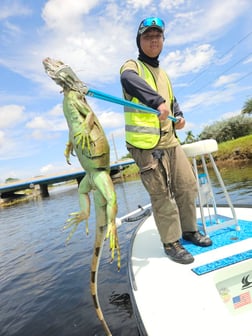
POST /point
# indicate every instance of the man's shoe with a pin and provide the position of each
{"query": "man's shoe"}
(178, 253)
(197, 238)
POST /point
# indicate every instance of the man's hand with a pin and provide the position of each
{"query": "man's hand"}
(180, 123)
(164, 111)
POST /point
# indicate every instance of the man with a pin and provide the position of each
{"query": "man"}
(165, 170)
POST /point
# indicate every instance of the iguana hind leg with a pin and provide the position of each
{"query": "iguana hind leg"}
(84, 213)
(105, 186)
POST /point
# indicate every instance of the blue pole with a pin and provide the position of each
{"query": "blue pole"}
(124, 102)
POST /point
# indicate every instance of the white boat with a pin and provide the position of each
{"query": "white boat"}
(211, 296)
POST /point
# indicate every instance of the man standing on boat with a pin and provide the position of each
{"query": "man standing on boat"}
(151, 139)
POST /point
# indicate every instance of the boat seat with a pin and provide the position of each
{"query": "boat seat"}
(210, 220)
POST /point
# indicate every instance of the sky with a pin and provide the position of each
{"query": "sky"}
(207, 54)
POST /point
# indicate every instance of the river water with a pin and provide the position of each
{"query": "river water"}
(44, 284)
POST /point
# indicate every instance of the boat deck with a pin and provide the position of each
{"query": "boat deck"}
(212, 296)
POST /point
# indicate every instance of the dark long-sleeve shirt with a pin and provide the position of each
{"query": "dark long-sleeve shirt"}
(135, 86)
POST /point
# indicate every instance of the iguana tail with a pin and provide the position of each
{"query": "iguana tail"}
(93, 281)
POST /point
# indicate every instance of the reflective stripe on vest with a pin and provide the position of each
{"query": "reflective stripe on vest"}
(142, 129)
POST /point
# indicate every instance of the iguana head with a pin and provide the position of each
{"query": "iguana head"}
(63, 75)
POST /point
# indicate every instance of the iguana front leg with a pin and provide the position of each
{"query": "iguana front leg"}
(86, 127)
(68, 151)
(83, 138)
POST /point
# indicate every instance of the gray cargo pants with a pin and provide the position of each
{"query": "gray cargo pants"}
(170, 181)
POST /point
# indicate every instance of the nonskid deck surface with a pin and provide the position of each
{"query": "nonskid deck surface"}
(171, 297)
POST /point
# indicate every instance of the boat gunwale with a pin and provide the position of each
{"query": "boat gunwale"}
(133, 286)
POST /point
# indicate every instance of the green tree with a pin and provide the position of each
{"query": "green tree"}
(11, 179)
(247, 107)
(228, 129)
(189, 137)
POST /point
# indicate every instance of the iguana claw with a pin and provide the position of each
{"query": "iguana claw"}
(84, 141)
(74, 221)
(113, 243)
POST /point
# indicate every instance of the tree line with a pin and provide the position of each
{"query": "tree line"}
(229, 129)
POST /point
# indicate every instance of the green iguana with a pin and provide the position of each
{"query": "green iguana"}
(87, 139)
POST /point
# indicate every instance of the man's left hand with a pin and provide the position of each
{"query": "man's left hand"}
(180, 123)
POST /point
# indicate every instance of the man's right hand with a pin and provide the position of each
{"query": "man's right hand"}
(164, 111)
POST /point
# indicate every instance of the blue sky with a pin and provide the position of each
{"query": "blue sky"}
(207, 53)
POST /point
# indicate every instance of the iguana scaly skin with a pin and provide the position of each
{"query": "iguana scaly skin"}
(87, 139)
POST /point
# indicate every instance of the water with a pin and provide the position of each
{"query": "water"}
(44, 284)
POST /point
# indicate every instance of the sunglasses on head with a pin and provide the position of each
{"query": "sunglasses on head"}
(153, 22)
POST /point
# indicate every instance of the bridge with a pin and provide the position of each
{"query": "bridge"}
(7, 190)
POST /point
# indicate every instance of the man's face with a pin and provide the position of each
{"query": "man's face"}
(151, 42)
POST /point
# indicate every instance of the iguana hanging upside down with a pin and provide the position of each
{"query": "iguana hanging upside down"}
(87, 139)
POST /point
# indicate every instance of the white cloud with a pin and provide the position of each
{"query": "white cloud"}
(48, 168)
(172, 4)
(11, 115)
(56, 110)
(11, 30)
(138, 4)
(2, 136)
(48, 124)
(12, 8)
(249, 60)
(67, 14)
(44, 125)
(105, 42)
(13, 146)
(212, 98)
(230, 114)
(228, 79)
(60, 168)
(86, 42)
(181, 62)
(206, 21)
(111, 119)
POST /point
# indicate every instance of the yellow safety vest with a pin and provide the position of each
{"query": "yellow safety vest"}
(142, 129)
